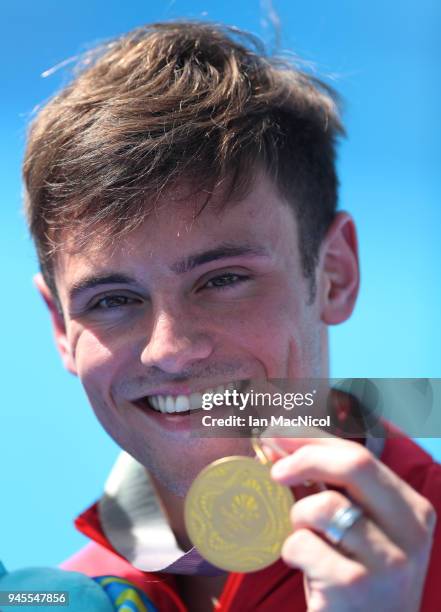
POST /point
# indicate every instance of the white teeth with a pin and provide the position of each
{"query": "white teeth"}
(195, 401)
(161, 401)
(155, 402)
(169, 404)
(183, 403)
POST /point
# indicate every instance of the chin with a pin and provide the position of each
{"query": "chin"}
(176, 470)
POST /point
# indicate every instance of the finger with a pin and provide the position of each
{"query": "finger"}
(319, 560)
(273, 452)
(363, 541)
(403, 514)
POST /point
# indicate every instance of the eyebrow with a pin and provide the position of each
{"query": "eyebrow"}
(92, 281)
(223, 251)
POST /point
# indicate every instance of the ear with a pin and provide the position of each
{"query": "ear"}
(339, 270)
(58, 325)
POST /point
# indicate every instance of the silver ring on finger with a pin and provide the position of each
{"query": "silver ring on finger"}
(341, 522)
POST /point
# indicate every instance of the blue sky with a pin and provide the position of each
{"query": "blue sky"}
(384, 59)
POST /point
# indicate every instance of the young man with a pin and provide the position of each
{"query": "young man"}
(182, 195)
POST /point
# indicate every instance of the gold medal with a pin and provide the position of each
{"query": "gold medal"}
(236, 515)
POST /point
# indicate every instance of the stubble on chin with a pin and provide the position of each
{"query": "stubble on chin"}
(176, 470)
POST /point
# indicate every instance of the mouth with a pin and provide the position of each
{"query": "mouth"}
(179, 404)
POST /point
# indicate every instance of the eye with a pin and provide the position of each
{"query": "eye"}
(225, 280)
(113, 301)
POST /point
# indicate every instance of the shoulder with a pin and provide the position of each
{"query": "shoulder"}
(95, 560)
(413, 464)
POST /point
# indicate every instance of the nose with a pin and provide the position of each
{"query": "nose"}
(175, 344)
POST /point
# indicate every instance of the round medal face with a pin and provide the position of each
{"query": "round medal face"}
(237, 516)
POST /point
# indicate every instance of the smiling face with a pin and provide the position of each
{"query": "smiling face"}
(182, 305)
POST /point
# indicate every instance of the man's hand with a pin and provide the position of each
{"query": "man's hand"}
(381, 561)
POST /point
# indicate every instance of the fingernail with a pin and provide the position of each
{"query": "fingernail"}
(279, 469)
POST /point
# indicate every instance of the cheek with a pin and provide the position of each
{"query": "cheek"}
(290, 339)
(268, 329)
(97, 369)
(96, 363)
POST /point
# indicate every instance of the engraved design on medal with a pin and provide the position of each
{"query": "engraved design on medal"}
(237, 516)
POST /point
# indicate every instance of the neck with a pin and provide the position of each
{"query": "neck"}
(173, 508)
(197, 592)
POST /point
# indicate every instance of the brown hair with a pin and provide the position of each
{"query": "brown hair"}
(170, 102)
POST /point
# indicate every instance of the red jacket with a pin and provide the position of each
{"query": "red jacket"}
(277, 587)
